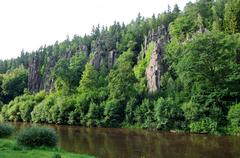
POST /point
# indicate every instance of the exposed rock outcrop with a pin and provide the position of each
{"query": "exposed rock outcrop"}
(112, 55)
(97, 60)
(101, 57)
(34, 77)
(48, 80)
(83, 49)
(157, 67)
(40, 78)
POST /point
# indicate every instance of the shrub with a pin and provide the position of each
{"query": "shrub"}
(37, 136)
(192, 111)
(130, 111)
(113, 113)
(56, 156)
(234, 115)
(234, 119)
(21, 107)
(144, 114)
(168, 115)
(94, 115)
(6, 130)
(41, 112)
(74, 117)
(205, 125)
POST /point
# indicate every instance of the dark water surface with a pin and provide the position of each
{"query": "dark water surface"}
(137, 143)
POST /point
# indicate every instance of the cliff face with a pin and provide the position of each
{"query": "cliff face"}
(40, 78)
(34, 76)
(157, 67)
(38, 81)
(48, 80)
(104, 57)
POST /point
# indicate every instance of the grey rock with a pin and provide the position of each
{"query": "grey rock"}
(34, 77)
(157, 67)
(112, 55)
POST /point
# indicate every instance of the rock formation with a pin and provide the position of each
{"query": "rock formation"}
(157, 67)
(40, 78)
(104, 57)
(48, 80)
(97, 60)
(112, 55)
(34, 77)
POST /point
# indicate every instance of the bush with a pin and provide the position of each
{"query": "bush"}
(234, 115)
(56, 156)
(206, 125)
(234, 119)
(144, 114)
(41, 112)
(37, 136)
(113, 113)
(61, 109)
(6, 130)
(21, 107)
(168, 115)
(94, 115)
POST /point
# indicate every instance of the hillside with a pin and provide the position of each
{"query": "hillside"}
(178, 70)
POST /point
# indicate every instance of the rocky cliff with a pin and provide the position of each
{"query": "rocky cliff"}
(34, 75)
(40, 78)
(157, 67)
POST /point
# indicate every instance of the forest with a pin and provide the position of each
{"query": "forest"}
(175, 71)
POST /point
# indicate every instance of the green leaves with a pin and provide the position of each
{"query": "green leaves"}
(232, 16)
(13, 83)
(168, 115)
(69, 72)
(234, 115)
(121, 79)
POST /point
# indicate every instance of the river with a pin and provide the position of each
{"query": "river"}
(138, 143)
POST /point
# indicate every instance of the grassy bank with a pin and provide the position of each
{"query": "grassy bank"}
(9, 149)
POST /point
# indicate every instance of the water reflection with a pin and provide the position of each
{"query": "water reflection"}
(135, 143)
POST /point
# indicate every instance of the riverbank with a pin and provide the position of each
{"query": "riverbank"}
(9, 149)
(136, 143)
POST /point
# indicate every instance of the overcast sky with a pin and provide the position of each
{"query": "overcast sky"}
(28, 24)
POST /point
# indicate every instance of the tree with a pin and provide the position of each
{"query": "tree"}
(62, 73)
(121, 79)
(210, 73)
(121, 88)
(89, 82)
(13, 83)
(168, 115)
(94, 115)
(144, 114)
(232, 16)
(76, 68)
(113, 113)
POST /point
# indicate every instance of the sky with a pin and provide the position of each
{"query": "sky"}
(28, 24)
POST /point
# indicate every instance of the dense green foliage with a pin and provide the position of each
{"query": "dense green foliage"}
(233, 117)
(13, 84)
(199, 92)
(37, 137)
(21, 107)
(5, 130)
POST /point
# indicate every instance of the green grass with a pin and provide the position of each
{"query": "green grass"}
(9, 149)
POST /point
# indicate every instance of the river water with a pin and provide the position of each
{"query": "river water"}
(138, 143)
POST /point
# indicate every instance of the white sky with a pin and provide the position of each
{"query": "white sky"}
(28, 24)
